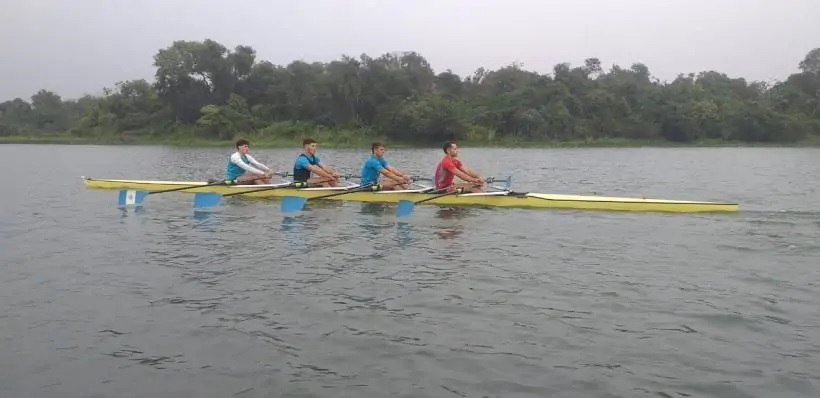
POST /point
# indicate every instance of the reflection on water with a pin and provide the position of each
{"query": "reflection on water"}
(296, 231)
(404, 234)
(373, 230)
(321, 204)
(125, 212)
(206, 221)
(376, 209)
(450, 233)
(200, 215)
(346, 299)
(403, 230)
(454, 215)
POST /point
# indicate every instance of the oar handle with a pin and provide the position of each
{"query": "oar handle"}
(346, 191)
(488, 180)
(282, 174)
(347, 176)
(298, 184)
(454, 192)
(209, 184)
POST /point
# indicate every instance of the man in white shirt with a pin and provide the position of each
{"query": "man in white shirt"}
(243, 168)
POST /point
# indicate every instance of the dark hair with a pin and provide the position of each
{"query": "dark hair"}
(308, 141)
(241, 142)
(375, 145)
(447, 145)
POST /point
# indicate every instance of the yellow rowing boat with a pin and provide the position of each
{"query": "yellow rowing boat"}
(496, 199)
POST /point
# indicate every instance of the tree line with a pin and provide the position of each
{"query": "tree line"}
(203, 89)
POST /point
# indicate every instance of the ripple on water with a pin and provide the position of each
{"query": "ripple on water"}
(344, 300)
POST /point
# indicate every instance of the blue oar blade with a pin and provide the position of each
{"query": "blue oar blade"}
(206, 199)
(131, 197)
(404, 208)
(508, 183)
(292, 204)
(139, 197)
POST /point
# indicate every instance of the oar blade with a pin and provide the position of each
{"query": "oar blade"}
(508, 183)
(291, 204)
(404, 208)
(206, 199)
(130, 197)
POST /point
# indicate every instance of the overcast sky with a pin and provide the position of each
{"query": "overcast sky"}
(75, 47)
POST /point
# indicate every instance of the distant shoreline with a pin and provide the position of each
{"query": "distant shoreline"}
(399, 99)
(364, 143)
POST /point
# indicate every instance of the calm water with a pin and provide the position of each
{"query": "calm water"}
(344, 301)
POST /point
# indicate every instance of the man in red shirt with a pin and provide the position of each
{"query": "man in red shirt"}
(450, 166)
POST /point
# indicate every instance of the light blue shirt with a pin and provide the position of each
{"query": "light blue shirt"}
(300, 167)
(302, 162)
(371, 168)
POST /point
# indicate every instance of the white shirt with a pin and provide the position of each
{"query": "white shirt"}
(236, 159)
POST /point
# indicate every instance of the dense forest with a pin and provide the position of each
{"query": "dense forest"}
(205, 91)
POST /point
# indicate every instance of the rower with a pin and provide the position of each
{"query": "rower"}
(450, 167)
(243, 168)
(376, 164)
(307, 162)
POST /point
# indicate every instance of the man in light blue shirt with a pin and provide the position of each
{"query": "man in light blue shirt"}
(376, 164)
(308, 164)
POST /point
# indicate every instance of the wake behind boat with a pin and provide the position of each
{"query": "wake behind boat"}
(501, 198)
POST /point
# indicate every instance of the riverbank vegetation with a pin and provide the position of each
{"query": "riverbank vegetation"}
(206, 94)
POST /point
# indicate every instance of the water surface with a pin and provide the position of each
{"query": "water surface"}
(343, 300)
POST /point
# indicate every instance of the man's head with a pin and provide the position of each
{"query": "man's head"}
(242, 146)
(377, 148)
(450, 148)
(309, 145)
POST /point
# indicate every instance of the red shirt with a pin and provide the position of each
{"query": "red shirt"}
(445, 172)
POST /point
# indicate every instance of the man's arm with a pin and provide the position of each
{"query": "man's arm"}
(257, 164)
(237, 160)
(397, 171)
(464, 176)
(470, 172)
(387, 172)
(400, 176)
(460, 172)
(328, 170)
(319, 171)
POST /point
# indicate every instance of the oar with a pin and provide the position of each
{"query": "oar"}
(405, 207)
(507, 182)
(210, 199)
(488, 180)
(133, 197)
(295, 203)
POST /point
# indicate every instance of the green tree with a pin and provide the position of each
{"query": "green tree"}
(204, 89)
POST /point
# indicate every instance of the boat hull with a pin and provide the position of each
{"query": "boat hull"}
(494, 199)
